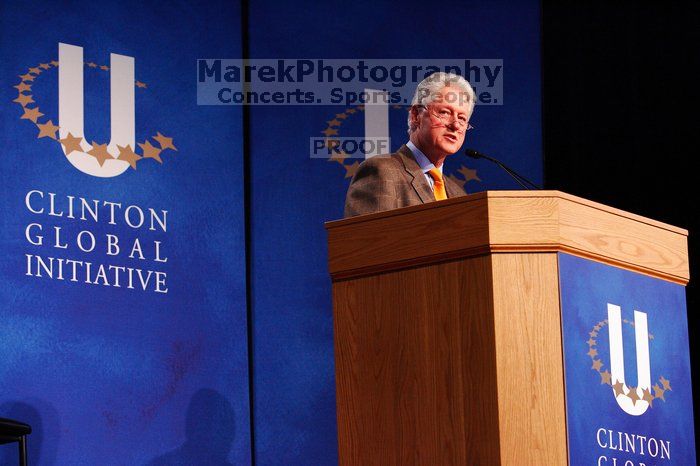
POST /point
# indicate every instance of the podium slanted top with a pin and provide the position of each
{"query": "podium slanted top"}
(506, 221)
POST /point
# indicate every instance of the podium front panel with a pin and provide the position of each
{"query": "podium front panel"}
(627, 366)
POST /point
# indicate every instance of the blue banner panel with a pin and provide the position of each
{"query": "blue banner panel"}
(122, 283)
(295, 187)
(628, 386)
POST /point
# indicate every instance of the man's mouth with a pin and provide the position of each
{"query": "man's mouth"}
(451, 137)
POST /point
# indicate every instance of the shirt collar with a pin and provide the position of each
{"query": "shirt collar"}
(425, 164)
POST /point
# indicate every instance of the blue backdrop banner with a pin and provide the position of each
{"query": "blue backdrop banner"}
(123, 281)
(628, 388)
(123, 319)
(295, 189)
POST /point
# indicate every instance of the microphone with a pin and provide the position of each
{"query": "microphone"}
(522, 181)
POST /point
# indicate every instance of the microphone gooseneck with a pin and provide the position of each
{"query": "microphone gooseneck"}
(522, 181)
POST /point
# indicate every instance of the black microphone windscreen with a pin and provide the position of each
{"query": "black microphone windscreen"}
(473, 154)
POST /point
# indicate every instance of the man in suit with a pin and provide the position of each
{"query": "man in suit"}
(437, 124)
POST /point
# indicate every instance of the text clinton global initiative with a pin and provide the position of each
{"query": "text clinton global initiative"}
(81, 233)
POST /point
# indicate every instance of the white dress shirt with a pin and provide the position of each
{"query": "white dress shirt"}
(425, 164)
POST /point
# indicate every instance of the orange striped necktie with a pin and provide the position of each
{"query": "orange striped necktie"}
(438, 184)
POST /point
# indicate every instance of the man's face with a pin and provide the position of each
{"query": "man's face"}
(438, 132)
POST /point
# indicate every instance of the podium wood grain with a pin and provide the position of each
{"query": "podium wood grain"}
(414, 385)
(529, 358)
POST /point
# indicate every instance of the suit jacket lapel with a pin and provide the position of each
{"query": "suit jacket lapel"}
(419, 183)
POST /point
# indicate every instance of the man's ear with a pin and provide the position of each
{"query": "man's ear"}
(414, 113)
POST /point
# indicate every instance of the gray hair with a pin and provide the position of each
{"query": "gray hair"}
(433, 84)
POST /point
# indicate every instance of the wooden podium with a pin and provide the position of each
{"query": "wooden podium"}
(446, 314)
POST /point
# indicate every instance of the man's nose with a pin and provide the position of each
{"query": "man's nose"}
(454, 128)
(453, 125)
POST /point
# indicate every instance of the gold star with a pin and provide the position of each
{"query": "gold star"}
(150, 152)
(597, 327)
(351, 169)
(333, 122)
(54, 63)
(592, 352)
(47, 130)
(99, 151)
(32, 114)
(633, 395)
(44, 66)
(92, 65)
(22, 86)
(591, 342)
(350, 111)
(24, 99)
(36, 71)
(593, 333)
(597, 364)
(128, 155)
(651, 337)
(618, 388)
(605, 377)
(658, 392)
(647, 396)
(339, 157)
(104, 67)
(71, 144)
(141, 85)
(397, 107)
(665, 383)
(27, 77)
(341, 116)
(331, 143)
(468, 174)
(361, 107)
(164, 141)
(330, 132)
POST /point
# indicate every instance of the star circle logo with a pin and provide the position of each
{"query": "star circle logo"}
(633, 400)
(96, 158)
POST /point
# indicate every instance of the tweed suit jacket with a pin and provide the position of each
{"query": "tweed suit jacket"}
(386, 182)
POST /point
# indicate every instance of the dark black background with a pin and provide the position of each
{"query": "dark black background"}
(620, 86)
